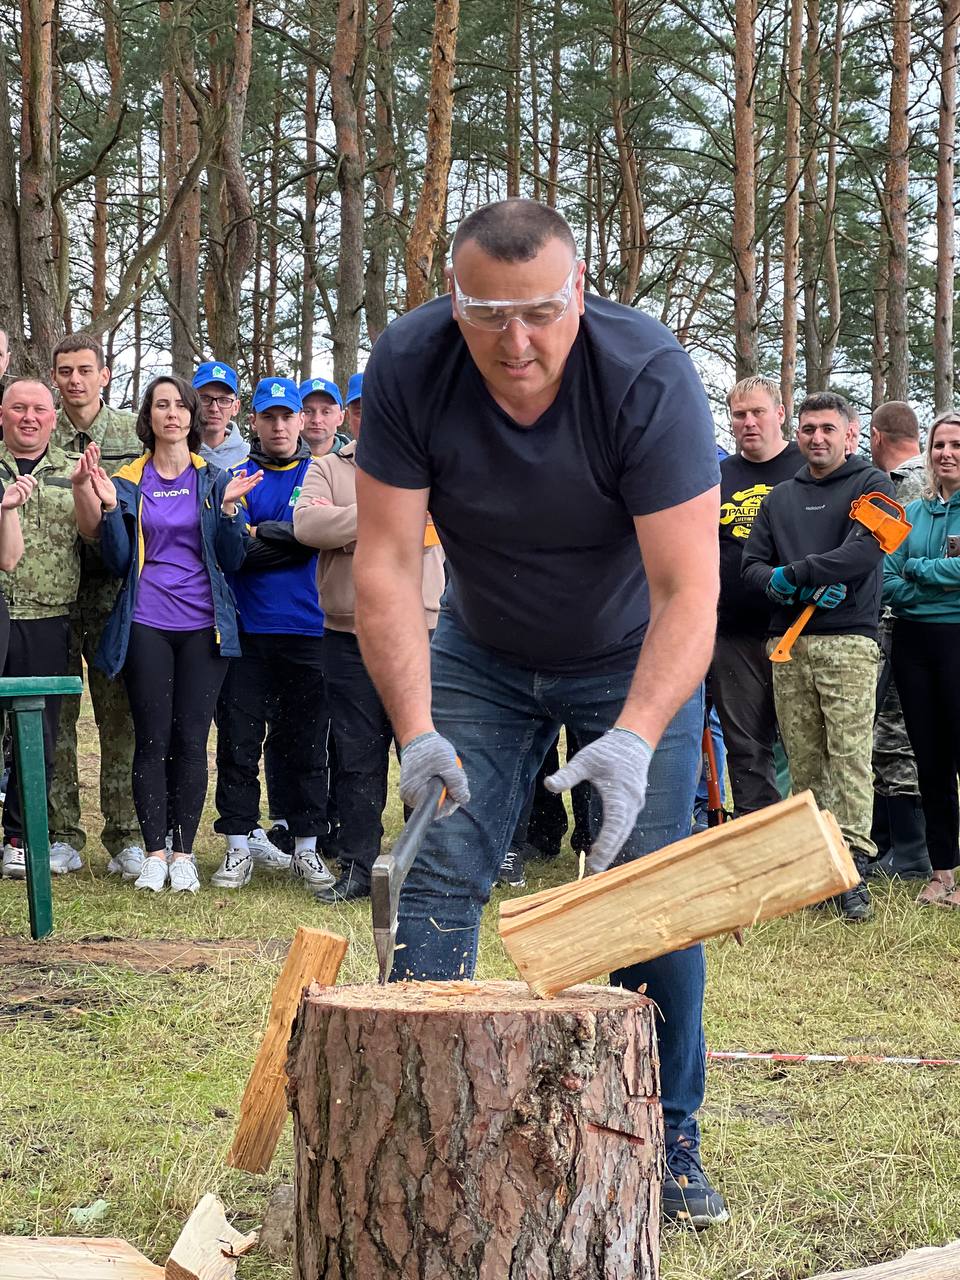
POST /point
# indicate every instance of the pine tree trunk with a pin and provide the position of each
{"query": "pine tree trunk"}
(345, 330)
(470, 1131)
(40, 281)
(384, 173)
(422, 241)
(946, 250)
(791, 210)
(898, 178)
(745, 321)
(809, 203)
(309, 232)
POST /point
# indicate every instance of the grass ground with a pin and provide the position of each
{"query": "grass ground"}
(124, 1086)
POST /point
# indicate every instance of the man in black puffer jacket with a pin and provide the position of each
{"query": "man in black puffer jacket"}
(804, 539)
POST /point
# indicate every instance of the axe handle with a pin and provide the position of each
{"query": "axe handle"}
(782, 652)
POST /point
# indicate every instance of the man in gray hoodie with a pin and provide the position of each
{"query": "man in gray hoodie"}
(802, 540)
(217, 386)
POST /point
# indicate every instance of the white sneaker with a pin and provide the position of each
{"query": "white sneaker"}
(14, 862)
(311, 867)
(64, 858)
(183, 876)
(128, 863)
(234, 871)
(153, 875)
(265, 853)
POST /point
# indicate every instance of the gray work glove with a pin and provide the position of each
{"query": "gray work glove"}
(616, 764)
(431, 756)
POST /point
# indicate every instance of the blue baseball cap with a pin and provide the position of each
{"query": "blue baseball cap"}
(270, 392)
(325, 388)
(216, 371)
(355, 387)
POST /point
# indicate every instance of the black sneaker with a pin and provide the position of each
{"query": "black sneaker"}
(688, 1197)
(854, 904)
(511, 870)
(283, 838)
(349, 888)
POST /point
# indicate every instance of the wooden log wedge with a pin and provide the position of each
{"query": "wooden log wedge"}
(314, 956)
(754, 868)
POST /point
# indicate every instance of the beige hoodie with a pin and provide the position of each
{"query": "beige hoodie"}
(333, 529)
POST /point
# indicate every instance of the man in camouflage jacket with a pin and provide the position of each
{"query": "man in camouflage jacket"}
(898, 827)
(80, 375)
(41, 589)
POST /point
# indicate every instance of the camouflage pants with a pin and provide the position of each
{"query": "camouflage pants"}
(115, 730)
(825, 698)
(894, 768)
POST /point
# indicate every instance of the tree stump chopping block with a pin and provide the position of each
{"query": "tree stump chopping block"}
(470, 1131)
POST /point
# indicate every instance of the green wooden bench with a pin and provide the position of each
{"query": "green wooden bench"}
(22, 697)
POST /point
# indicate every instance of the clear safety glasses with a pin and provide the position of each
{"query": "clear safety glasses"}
(533, 313)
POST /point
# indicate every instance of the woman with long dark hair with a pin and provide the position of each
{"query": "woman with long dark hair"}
(921, 583)
(168, 525)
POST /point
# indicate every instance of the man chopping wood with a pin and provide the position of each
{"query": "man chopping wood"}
(564, 447)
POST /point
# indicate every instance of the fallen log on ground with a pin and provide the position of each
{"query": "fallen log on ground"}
(754, 868)
(315, 956)
(73, 1258)
(470, 1131)
(919, 1264)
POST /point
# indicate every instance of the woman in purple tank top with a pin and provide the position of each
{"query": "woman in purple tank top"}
(168, 525)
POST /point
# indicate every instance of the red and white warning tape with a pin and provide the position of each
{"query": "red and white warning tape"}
(850, 1060)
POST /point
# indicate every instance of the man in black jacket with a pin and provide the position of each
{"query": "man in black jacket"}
(803, 539)
(741, 680)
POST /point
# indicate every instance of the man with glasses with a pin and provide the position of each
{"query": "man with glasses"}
(218, 388)
(564, 447)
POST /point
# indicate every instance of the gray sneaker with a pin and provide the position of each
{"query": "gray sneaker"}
(14, 865)
(128, 863)
(265, 853)
(153, 876)
(234, 871)
(63, 858)
(311, 867)
(183, 876)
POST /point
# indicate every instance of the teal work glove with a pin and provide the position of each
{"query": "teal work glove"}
(781, 587)
(832, 596)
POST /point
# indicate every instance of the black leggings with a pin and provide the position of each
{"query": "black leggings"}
(925, 658)
(173, 679)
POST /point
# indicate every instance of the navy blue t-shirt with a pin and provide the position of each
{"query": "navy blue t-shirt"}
(536, 521)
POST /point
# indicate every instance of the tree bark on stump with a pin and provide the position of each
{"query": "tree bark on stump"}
(469, 1131)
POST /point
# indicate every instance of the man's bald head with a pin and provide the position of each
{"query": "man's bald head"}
(17, 389)
(28, 417)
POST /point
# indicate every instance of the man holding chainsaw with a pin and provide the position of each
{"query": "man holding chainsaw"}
(565, 448)
(804, 548)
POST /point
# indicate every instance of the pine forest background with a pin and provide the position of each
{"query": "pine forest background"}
(271, 183)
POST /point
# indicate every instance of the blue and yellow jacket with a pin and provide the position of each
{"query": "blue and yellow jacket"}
(221, 541)
(276, 590)
(920, 581)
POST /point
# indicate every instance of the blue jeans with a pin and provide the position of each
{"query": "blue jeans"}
(502, 719)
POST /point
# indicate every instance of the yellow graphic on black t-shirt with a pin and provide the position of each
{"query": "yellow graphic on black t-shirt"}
(742, 509)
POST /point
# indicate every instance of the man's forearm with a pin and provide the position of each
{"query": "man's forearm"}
(674, 659)
(392, 630)
(88, 509)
